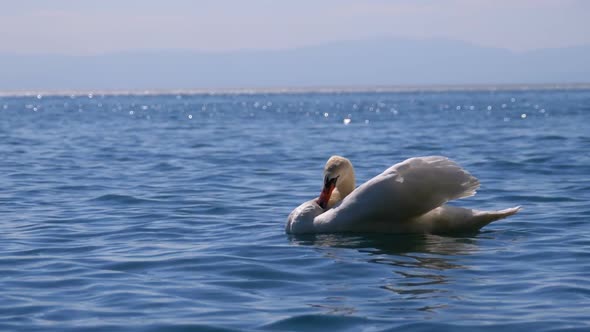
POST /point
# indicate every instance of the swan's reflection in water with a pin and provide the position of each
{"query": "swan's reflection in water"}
(428, 251)
(423, 267)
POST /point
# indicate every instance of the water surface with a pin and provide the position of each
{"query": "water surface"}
(166, 212)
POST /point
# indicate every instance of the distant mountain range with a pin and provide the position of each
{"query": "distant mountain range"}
(378, 62)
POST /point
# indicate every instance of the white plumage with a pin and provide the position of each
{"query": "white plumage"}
(408, 197)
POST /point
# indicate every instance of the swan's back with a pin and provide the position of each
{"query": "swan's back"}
(403, 191)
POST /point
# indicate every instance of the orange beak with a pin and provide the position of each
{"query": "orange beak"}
(329, 185)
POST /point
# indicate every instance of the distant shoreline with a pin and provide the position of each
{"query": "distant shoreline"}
(301, 90)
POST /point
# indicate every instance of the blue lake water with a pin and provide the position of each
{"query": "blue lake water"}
(166, 212)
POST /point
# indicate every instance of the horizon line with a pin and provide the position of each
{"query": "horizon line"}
(197, 51)
(301, 90)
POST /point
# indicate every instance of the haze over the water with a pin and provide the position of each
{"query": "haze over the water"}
(208, 44)
(82, 27)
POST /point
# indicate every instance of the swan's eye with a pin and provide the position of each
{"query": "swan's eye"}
(330, 181)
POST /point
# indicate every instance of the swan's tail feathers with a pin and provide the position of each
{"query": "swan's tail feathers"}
(449, 219)
(482, 218)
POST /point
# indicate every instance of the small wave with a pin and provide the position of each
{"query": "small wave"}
(553, 138)
(318, 323)
(545, 326)
(540, 199)
(539, 160)
(190, 327)
(201, 145)
(164, 166)
(124, 199)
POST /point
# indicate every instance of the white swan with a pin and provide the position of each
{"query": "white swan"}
(406, 198)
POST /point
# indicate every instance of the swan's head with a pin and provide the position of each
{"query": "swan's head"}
(339, 175)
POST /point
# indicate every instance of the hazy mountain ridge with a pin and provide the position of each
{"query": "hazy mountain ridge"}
(354, 63)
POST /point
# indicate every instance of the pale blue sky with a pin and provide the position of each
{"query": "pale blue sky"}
(91, 27)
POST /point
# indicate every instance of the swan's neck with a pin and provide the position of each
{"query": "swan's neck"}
(344, 187)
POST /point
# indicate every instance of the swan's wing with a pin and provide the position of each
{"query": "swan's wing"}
(405, 190)
(430, 181)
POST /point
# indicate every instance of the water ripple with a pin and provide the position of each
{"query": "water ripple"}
(154, 221)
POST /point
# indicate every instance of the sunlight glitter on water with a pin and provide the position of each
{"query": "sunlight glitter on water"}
(140, 219)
